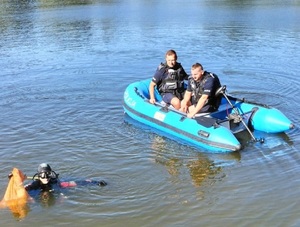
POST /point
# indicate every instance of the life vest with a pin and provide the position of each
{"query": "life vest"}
(198, 90)
(173, 82)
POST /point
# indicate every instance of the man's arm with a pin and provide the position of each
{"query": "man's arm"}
(185, 101)
(33, 186)
(198, 107)
(151, 92)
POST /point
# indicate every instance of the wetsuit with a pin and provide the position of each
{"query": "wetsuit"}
(37, 184)
(54, 182)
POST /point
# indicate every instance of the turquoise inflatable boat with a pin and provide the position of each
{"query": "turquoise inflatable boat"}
(215, 132)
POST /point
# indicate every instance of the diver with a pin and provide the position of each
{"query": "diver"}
(46, 179)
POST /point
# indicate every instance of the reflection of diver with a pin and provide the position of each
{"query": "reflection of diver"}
(47, 198)
(46, 180)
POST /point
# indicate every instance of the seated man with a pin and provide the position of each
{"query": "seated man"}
(200, 94)
(169, 79)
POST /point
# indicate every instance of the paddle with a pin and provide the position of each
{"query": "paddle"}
(222, 91)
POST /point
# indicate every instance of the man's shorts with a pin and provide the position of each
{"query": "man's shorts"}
(167, 97)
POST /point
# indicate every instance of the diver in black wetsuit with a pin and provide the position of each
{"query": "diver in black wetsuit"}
(45, 179)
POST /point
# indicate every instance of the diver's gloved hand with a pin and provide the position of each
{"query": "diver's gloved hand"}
(9, 175)
(102, 183)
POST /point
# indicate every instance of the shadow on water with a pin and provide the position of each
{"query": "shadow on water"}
(269, 140)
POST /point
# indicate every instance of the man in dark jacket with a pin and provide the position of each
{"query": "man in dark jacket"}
(200, 94)
(169, 79)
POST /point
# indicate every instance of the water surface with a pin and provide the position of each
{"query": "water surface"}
(64, 68)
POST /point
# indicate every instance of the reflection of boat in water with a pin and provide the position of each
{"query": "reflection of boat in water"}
(215, 131)
(202, 167)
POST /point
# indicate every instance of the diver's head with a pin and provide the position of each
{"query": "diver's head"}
(44, 173)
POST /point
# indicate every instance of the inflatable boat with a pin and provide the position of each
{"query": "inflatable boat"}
(214, 132)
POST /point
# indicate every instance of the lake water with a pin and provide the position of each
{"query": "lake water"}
(64, 68)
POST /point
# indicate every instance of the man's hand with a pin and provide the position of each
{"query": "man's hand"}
(190, 115)
(184, 108)
(152, 100)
